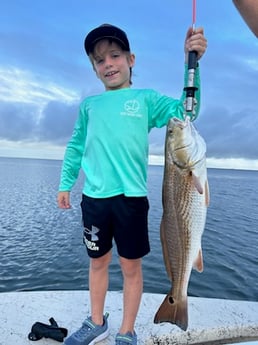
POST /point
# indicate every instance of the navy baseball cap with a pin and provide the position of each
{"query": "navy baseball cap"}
(106, 31)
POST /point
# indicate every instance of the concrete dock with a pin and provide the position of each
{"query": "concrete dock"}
(211, 321)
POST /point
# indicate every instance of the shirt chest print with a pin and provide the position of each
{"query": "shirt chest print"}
(131, 108)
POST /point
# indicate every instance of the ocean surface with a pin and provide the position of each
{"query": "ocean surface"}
(41, 246)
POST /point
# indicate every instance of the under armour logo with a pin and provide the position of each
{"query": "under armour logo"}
(92, 232)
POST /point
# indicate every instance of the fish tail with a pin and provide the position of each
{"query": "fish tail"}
(173, 311)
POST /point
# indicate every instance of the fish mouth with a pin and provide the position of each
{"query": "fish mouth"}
(183, 166)
(187, 165)
(182, 147)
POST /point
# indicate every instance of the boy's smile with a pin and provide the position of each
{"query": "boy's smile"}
(112, 64)
(110, 74)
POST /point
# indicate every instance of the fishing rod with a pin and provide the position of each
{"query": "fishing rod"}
(190, 102)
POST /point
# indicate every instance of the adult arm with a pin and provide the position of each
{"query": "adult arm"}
(249, 11)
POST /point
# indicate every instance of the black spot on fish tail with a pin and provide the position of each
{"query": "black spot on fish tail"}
(171, 299)
(173, 311)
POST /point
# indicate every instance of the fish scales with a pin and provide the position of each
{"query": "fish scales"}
(181, 213)
(185, 198)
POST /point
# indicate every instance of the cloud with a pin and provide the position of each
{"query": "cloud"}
(229, 134)
(18, 85)
(35, 109)
(44, 72)
(57, 122)
(18, 121)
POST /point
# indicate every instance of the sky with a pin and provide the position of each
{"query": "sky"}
(45, 73)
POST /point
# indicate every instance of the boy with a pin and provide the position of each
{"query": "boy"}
(110, 143)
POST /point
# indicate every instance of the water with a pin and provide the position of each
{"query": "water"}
(41, 246)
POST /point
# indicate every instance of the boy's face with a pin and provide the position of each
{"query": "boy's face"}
(112, 64)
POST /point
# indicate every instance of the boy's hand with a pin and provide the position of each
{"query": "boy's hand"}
(196, 41)
(63, 200)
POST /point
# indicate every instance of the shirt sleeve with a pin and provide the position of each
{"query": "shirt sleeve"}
(164, 107)
(74, 153)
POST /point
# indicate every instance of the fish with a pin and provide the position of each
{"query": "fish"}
(185, 199)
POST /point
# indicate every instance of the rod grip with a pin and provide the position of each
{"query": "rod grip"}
(192, 59)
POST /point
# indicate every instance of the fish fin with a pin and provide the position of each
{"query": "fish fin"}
(165, 249)
(173, 311)
(197, 183)
(207, 194)
(198, 263)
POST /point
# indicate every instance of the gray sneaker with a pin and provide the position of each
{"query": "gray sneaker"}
(89, 333)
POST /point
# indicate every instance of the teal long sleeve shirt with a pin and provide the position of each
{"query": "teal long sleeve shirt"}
(110, 140)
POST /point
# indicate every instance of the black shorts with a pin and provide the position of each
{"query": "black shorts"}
(124, 219)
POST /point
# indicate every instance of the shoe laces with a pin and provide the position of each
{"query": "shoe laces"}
(84, 330)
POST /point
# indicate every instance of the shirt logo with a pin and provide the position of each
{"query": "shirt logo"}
(92, 232)
(131, 108)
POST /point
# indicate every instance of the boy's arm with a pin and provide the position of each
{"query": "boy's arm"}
(73, 154)
(249, 11)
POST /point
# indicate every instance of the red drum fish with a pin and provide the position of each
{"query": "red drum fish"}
(185, 197)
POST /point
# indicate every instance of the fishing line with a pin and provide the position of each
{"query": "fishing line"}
(193, 14)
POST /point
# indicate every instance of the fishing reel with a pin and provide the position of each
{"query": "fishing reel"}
(190, 101)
